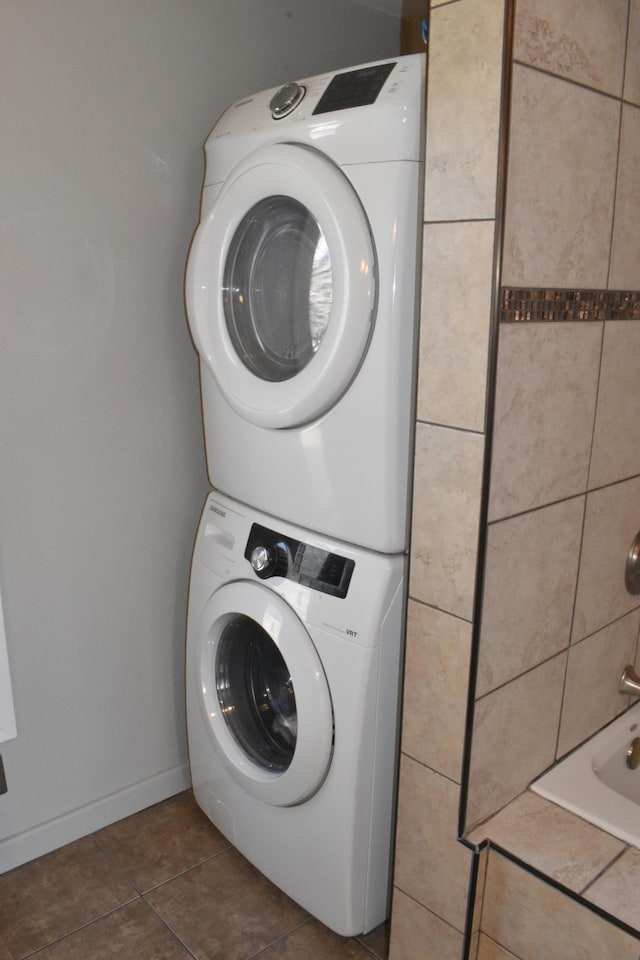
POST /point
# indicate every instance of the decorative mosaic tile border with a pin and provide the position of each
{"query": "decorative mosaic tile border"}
(537, 306)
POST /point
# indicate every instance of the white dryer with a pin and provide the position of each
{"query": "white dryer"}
(301, 298)
(293, 659)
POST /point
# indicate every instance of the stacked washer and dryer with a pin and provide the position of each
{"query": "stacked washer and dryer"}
(301, 298)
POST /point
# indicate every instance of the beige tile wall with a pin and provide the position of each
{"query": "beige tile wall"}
(558, 625)
(532, 920)
(432, 867)
(562, 445)
(562, 177)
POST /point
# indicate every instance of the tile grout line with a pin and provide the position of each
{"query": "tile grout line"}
(169, 928)
(604, 869)
(83, 926)
(297, 926)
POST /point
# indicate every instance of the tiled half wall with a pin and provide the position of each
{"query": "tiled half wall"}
(558, 625)
(563, 501)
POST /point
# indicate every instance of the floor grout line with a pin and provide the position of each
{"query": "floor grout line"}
(122, 865)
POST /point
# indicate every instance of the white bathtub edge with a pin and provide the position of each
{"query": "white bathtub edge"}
(573, 778)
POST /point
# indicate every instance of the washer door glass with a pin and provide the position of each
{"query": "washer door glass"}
(281, 286)
(256, 694)
(264, 694)
(277, 288)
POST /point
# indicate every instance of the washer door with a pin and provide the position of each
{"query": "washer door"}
(264, 693)
(281, 286)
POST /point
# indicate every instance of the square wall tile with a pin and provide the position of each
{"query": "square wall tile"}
(432, 866)
(616, 891)
(435, 688)
(561, 183)
(463, 110)
(514, 737)
(582, 40)
(446, 508)
(632, 73)
(416, 933)
(625, 249)
(535, 921)
(454, 328)
(490, 950)
(612, 520)
(591, 697)
(616, 441)
(530, 584)
(545, 404)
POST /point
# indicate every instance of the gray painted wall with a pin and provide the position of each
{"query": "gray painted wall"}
(104, 109)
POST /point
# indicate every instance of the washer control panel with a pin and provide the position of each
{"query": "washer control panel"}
(273, 555)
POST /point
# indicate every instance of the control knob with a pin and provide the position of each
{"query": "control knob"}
(286, 99)
(269, 561)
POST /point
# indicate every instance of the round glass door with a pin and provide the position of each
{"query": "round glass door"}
(281, 286)
(265, 696)
(256, 695)
(277, 288)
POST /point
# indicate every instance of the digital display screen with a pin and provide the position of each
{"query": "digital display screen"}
(305, 564)
(357, 88)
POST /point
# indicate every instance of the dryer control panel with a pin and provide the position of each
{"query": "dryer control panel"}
(273, 555)
(355, 88)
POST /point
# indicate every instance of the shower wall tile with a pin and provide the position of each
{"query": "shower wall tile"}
(583, 40)
(529, 590)
(514, 737)
(625, 248)
(435, 688)
(481, 869)
(632, 75)
(616, 442)
(560, 192)
(454, 331)
(431, 866)
(463, 109)
(490, 950)
(591, 697)
(612, 520)
(535, 921)
(616, 891)
(447, 482)
(416, 931)
(545, 404)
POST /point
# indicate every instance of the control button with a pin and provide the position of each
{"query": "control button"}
(264, 560)
(286, 99)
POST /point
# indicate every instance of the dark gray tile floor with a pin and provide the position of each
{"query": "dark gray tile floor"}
(163, 884)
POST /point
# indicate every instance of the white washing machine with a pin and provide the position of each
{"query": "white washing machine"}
(293, 660)
(301, 297)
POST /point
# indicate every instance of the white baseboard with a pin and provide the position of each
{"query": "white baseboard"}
(41, 839)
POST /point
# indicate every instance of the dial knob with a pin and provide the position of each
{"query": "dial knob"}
(286, 99)
(264, 560)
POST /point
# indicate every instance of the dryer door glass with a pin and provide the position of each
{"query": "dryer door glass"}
(282, 286)
(277, 288)
(256, 694)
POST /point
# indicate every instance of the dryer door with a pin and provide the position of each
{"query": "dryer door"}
(264, 693)
(281, 286)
